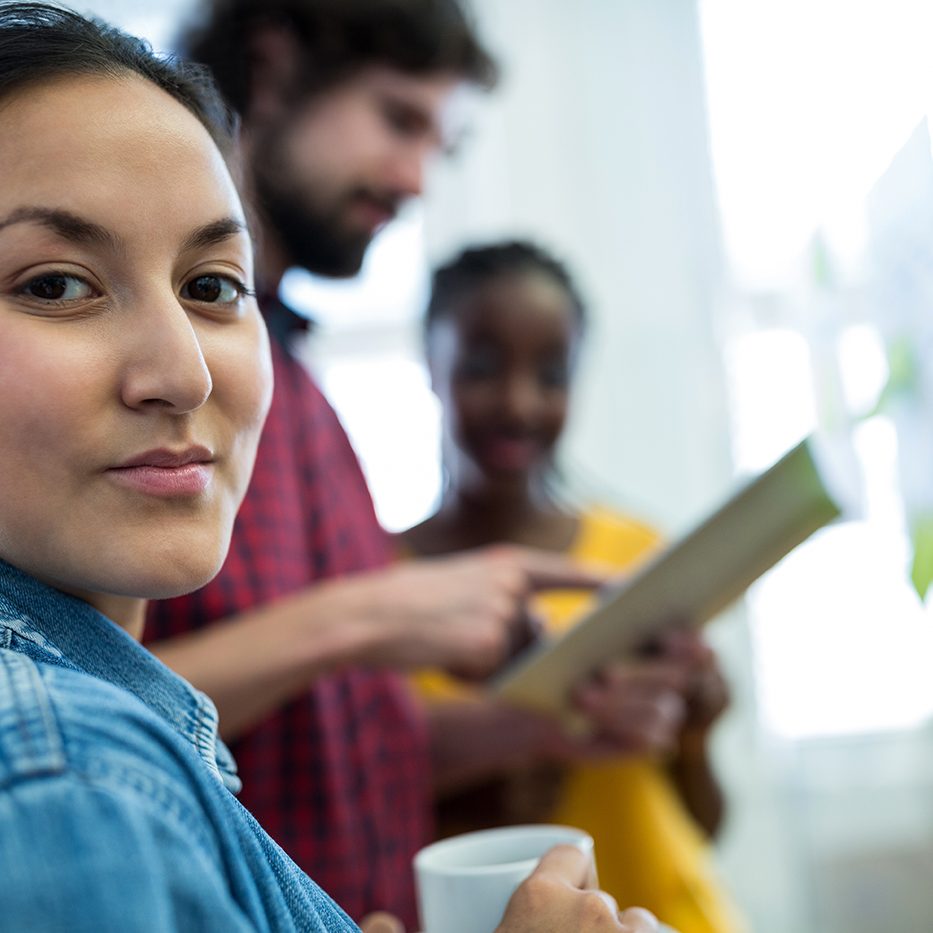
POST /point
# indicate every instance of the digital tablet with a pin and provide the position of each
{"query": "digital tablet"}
(687, 583)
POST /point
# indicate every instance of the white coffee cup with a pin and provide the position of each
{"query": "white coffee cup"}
(465, 882)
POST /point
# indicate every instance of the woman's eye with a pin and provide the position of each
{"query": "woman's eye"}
(554, 376)
(57, 286)
(213, 289)
(479, 365)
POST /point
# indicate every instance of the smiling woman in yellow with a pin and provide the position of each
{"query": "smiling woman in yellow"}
(503, 327)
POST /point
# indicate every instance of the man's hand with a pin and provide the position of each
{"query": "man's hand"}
(465, 613)
(559, 896)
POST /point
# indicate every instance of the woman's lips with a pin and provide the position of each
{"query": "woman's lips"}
(167, 473)
(510, 453)
(184, 480)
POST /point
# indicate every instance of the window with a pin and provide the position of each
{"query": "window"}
(367, 356)
(809, 103)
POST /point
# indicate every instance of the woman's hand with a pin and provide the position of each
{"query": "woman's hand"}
(651, 705)
(636, 707)
(706, 694)
(381, 922)
(558, 896)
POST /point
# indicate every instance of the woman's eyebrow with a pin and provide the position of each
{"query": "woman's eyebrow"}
(63, 223)
(78, 229)
(215, 232)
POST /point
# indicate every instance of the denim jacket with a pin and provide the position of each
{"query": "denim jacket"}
(116, 811)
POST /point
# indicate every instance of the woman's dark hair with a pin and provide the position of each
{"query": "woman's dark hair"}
(336, 39)
(40, 42)
(478, 264)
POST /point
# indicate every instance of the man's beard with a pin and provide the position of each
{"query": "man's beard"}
(312, 239)
(312, 235)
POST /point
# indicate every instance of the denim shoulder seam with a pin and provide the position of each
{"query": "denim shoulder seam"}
(30, 737)
(14, 625)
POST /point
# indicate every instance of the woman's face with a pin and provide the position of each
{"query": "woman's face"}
(500, 361)
(134, 367)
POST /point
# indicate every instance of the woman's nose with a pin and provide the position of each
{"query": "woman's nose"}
(165, 365)
(520, 397)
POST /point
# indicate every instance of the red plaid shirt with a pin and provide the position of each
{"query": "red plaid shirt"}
(339, 776)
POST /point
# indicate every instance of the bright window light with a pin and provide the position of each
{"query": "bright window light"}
(393, 420)
(808, 102)
(842, 644)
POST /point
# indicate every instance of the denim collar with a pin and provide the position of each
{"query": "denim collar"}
(72, 633)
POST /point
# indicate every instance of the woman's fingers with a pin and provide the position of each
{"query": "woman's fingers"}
(381, 922)
(636, 920)
(560, 895)
(570, 864)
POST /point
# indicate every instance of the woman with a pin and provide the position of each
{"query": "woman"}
(134, 381)
(502, 334)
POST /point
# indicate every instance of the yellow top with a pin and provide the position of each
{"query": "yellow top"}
(648, 849)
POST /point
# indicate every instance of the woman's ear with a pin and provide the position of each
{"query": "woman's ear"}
(432, 376)
(428, 355)
(441, 340)
(275, 55)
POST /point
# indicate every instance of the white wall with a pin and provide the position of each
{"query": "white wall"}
(596, 145)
